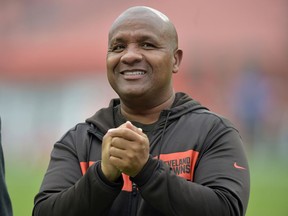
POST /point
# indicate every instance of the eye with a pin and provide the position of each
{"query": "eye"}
(117, 48)
(148, 45)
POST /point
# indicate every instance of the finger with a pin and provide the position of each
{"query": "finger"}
(117, 162)
(116, 152)
(121, 143)
(129, 125)
(124, 133)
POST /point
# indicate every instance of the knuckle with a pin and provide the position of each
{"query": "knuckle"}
(114, 141)
(142, 139)
(130, 156)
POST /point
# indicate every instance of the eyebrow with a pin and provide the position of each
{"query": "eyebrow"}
(120, 38)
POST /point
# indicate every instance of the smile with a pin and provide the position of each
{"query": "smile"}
(133, 73)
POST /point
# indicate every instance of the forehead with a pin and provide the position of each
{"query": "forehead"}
(138, 28)
(144, 25)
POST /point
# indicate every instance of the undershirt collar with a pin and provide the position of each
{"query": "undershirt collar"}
(120, 119)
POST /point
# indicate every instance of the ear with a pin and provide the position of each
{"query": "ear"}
(177, 60)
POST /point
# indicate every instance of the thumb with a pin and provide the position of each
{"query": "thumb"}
(130, 126)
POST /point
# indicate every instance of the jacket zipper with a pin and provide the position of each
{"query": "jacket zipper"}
(134, 189)
(134, 199)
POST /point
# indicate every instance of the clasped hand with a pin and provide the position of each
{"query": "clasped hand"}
(124, 150)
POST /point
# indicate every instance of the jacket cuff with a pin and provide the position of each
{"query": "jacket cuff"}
(146, 173)
(102, 177)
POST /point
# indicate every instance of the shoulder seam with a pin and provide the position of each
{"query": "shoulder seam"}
(219, 117)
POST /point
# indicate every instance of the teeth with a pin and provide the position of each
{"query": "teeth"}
(133, 73)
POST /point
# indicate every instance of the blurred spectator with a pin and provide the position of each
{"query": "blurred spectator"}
(251, 103)
(283, 135)
(5, 203)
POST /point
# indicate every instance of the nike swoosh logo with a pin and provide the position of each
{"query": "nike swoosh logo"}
(239, 167)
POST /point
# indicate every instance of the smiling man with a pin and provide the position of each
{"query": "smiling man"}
(143, 53)
(152, 151)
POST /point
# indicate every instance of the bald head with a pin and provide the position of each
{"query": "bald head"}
(142, 11)
(150, 16)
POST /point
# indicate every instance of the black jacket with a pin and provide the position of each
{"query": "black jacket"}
(5, 203)
(197, 167)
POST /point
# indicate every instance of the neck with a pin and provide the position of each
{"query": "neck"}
(146, 115)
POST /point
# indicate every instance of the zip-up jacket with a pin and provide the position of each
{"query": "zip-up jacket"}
(197, 166)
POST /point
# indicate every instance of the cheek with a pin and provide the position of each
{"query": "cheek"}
(110, 70)
(163, 65)
(111, 62)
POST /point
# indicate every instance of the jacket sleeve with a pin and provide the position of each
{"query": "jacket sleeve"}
(220, 186)
(65, 191)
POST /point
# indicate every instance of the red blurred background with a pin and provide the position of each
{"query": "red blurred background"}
(54, 43)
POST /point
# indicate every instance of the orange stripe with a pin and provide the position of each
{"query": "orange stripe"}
(127, 183)
(85, 165)
(183, 163)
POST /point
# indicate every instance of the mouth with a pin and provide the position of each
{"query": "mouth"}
(133, 74)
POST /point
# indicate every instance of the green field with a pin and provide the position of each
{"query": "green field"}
(269, 188)
(23, 182)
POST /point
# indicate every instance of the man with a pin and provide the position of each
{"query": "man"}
(5, 203)
(152, 151)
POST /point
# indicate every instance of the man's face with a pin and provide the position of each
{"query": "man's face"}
(140, 58)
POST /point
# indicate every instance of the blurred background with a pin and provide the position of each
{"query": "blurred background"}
(52, 76)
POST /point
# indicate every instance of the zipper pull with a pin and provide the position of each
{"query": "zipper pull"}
(134, 189)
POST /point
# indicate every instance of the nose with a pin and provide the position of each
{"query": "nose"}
(131, 55)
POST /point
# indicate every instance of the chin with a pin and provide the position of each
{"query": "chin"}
(131, 94)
